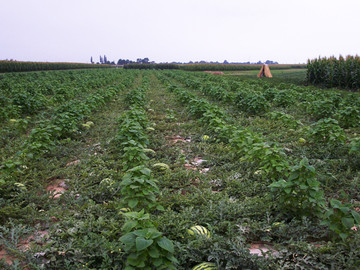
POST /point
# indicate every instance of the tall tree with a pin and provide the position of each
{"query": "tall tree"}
(101, 60)
(91, 60)
(105, 60)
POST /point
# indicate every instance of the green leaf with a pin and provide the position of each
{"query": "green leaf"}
(146, 171)
(154, 252)
(157, 262)
(335, 203)
(348, 222)
(133, 202)
(129, 240)
(128, 226)
(172, 258)
(343, 235)
(160, 208)
(141, 233)
(142, 243)
(356, 216)
(166, 244)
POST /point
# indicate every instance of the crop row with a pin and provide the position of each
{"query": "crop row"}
(295, 187)
(31, 93)
(258, 98)
(324, 129)
(67, 120)
(145, 246)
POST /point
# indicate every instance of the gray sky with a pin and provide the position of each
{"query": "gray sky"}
(178, 30)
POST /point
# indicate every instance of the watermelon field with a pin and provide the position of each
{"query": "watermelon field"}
(173, 169)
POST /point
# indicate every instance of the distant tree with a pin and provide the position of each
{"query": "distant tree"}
(145, 60)
(226, 62)
(105, 60)
(269, 62)
(101, 60)
(91, 60)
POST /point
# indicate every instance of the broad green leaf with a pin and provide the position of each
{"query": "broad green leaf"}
(335, 203)
(356, 216)
(160, 208)
(166, 244)
(128, 226)
(172, 258)
(146, 171)
(128, 240)
(142, 243)
(157, 262)
(132, 203)
(343, 236)
(154, 252)
(141, 233)
(348, 222)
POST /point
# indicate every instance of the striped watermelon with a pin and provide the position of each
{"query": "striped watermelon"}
(124, 210)
(205, 266)
(199, 230)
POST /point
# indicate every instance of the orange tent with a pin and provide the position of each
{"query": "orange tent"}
(265, 72)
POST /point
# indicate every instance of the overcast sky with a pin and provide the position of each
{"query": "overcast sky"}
(178, 30)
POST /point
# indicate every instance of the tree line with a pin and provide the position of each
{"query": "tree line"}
(121, 62)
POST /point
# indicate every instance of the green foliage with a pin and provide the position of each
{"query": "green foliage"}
(139, 189)
(355, 146)
(16, 66)
(252, 103)
(348, 117)
(300, 194)
(287, 119)
(151, 66)
(231, 67)
(333, 72)
(134, 154)
(341, 218)
(284, 98)
(328, 131)
(145, 246)
(321, 108)
(20, 124)
(270, 159)
(244, 154)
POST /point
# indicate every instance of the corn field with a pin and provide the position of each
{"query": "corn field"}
(15, 66)
(333, 72)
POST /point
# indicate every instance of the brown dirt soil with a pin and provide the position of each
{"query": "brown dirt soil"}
(256, 248)
(57, 187)
(215, 72)
(23, 245)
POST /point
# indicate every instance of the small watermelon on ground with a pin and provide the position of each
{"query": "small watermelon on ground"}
(199, 230)
(124, 210)
(205, 266)
(161, 166)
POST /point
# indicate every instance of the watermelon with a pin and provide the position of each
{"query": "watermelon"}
(124, 210)
(199, 230)
(205, 266)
